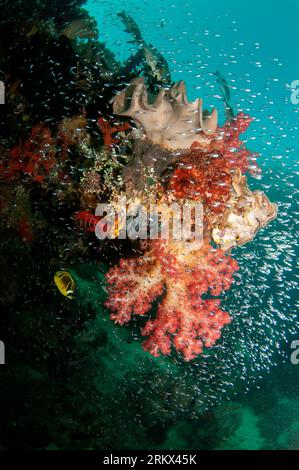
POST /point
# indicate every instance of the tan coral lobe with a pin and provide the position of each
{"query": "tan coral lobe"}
(249, 212)
(167, 119)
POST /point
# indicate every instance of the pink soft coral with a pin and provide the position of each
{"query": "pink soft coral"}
(184, 318)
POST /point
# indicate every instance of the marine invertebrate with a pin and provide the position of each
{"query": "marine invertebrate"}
(209, 168)
(108, 130)
(204, 177)
(184, 318)
(248, 212)
(72, 131)
(147, 159)
(35, 157)
(170, 120)
(209, 177)
(104, 176)
(233, 212)
(90, 188)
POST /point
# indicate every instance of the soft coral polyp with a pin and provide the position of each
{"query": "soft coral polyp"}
(183, 318)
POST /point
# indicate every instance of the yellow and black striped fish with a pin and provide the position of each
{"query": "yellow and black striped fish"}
(65, 284)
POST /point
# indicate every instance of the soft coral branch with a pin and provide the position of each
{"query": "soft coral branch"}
(34, 157)
(184, 318)
(133, 286)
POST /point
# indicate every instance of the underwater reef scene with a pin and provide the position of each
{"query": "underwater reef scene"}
(144, 342)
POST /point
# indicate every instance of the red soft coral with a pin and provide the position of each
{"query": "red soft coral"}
(232, 148)
(207, 176)
(35, 157)
(184, 318)
(202, 177)
(227, 142)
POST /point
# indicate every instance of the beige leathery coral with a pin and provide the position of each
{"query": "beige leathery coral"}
(167, 119)
(249, 211)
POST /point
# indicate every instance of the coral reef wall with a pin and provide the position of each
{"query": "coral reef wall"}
(70, 139)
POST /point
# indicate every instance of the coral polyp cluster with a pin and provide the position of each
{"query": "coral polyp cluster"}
(204, 177)
(206, 164)
(184, 318)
